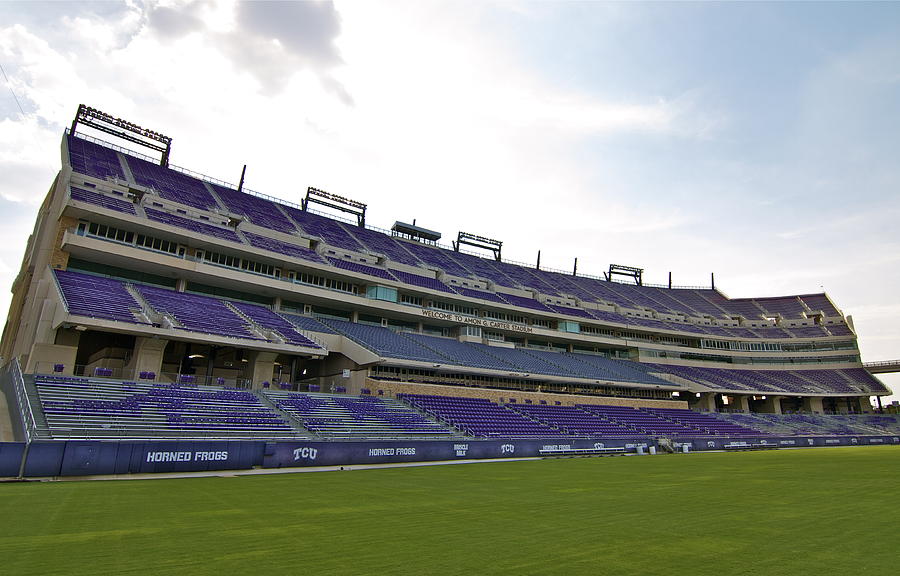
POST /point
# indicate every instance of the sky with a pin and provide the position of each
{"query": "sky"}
(756, 141)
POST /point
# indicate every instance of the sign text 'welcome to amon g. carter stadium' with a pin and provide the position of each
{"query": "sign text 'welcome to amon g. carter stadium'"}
(483, 322)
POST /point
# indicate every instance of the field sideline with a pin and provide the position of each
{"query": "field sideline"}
(791, 512)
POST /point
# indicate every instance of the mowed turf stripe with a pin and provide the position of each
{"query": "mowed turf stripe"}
(820, 511)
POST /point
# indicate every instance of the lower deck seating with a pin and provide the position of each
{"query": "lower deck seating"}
(97, 408)
(479, 417)
(572, 420)
(331, 416)
(816, 424)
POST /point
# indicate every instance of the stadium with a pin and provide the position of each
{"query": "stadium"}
(167, 321)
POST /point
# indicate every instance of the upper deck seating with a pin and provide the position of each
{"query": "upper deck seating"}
(258, 211)
(98, 297)
(94, 160)
(189, 224)
(198, 313)
(270, 320)
(104, 200)
(171, 184)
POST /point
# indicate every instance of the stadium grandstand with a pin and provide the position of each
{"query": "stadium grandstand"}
(155, 304)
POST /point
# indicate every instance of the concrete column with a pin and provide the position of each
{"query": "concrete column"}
(147, 356)
(772, 405)
(706, 402)
(42, 357)
(742, 403)
(865, 405)
(813, 404)
(262, 366)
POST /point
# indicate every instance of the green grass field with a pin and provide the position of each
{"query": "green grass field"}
(821, 511)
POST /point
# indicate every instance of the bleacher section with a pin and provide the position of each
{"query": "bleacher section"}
(816, 381)
(698, 304)
(261, 212)
(543, 313)
(96, 408)
(815, 424)
(108, 298)
(170, 184)
(98, 297)
(198, 313)
(192, 225)
(94, 160)
(479, 417)
(77, 407)
(356, 417)
(573, 421)
(266, 318)
(104, 200)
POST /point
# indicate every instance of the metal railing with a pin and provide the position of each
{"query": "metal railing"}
(29, 424)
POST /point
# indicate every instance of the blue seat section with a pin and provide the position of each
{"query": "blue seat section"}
(273, 245)
(102, 162)
(572, 420)
(111, 202)
(619, 370)
(524, 302)
(462, 354)
(257, 210)
(524, 361)
(745, 307)
(808, 331)
(525, 277)
(193, 225)
(307, 323)
(790, 307)
(362, 268)
(478, 417)
(331, 416)
(817, 381)
(816, 424)
(820, 303)
(171, 184)
(197, 313)
(439, 258)
(704, 422)
(385, 342)
(640, 421)
(330, 231)
(569, 311)
(96, 408)
(97, 297)
(840, 330)
(480, 294)
(482, 268)
(383, 244)
(695, 300)
(416, 280)
(266, 318)
(94, 160)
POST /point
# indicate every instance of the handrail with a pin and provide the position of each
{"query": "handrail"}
(25, 410)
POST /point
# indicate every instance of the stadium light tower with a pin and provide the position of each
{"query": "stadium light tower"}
(129, 131)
